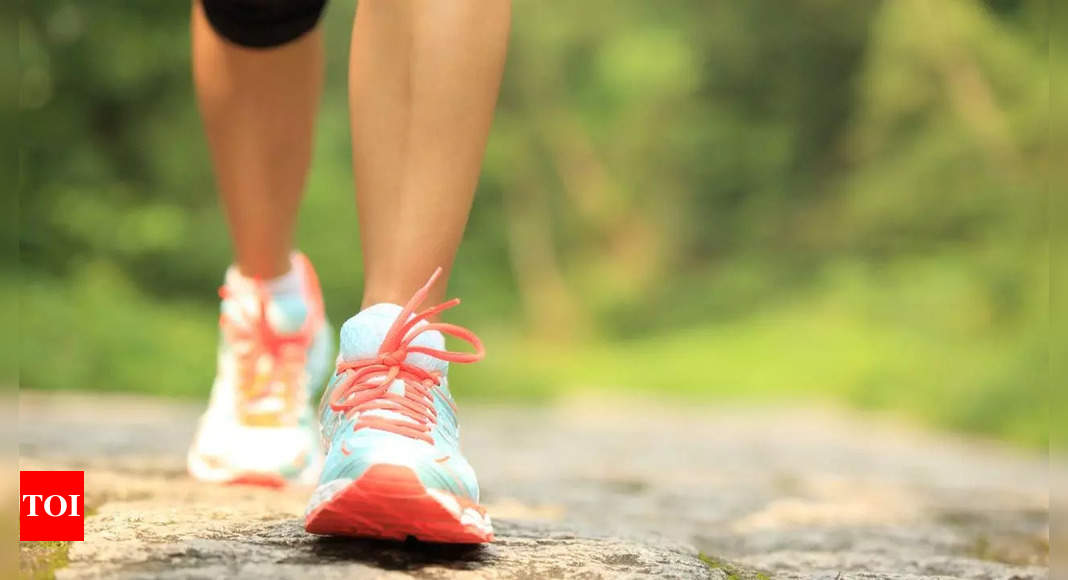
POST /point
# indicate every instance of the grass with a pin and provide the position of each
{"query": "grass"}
(732, 571)
(40, 560)
(921, 341)
(856, 342)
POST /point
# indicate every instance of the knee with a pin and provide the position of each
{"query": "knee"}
(262, 23)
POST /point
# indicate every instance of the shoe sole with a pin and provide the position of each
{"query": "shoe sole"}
(203, 470)
(271, 480)
(389, 502)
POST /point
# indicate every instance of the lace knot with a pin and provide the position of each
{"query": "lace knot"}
(394, 358)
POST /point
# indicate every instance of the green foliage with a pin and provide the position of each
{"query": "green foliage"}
(812, 199)
(40, 560)
(732, 571)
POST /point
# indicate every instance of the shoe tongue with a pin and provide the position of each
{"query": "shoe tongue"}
(362, 336)
(285, 313)
(287, 306)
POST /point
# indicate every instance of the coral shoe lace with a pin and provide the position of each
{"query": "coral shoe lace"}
(366, 382)
(256, 342)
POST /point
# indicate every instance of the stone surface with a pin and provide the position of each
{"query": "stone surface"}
(578, 491)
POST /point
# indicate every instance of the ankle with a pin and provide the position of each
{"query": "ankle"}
(289, 281)
(264, 268)
(399, 294)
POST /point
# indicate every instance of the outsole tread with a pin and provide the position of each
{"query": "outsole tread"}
(389, 502)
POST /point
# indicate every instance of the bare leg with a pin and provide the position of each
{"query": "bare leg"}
(258, 107)
(423, 83)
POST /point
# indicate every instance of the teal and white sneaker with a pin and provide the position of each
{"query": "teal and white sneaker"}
(275, 352)
(394, 468)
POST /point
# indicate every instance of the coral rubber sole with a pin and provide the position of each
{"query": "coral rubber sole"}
(214, 470)
(271, 480)
(389, 502)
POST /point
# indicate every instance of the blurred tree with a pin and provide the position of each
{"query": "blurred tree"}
(869, 168)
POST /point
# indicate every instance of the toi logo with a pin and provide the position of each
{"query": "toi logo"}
(51, 505)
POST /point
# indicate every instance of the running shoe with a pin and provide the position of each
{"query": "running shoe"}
(394, 469)
(275, 352)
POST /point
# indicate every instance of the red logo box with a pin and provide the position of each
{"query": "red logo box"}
(51, 505)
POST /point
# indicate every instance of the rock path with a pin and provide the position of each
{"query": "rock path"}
(577, 491)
